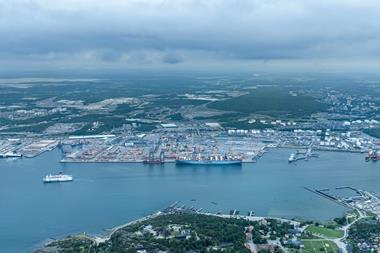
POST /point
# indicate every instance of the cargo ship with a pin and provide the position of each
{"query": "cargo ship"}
(373, 156)
(153, 160)
(211, 160)
(57, 178)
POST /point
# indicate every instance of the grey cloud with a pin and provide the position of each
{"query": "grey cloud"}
(177, 32)
(172, 58)
(110, 56)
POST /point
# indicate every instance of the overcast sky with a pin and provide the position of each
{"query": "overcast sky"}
(107, 34)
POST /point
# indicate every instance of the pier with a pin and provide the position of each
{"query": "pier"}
(327, 196)
(349, 188)
(363, 201)
(302, 155)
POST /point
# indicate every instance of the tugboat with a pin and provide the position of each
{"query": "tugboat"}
(57, 178)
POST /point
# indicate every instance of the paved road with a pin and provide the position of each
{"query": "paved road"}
(341, 242)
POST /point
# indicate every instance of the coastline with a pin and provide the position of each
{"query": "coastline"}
(98, 239)
(301, 227)
(244, 161)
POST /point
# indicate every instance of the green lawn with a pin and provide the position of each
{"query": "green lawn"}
(323, 246)
(327, 232)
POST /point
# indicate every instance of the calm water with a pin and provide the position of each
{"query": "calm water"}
(106, 195)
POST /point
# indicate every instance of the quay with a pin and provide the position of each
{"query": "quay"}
(363, 201)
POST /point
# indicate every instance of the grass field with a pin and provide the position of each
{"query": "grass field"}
(327, 232)
(321, 246)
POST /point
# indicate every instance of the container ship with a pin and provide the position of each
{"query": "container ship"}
(211, 160)
(57, 178)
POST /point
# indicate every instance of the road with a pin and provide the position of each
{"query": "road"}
(341, 242)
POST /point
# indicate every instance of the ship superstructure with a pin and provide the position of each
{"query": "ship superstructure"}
(198, 159)
(57, 178)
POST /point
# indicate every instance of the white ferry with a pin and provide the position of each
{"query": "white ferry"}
(57, 178)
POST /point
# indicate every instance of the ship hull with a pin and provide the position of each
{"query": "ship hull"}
(153, 162)
(57, 180)
(208, 162)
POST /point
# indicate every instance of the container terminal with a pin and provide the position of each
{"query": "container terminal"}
(179, 143)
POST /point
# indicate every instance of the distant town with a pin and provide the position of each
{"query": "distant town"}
(240, 121)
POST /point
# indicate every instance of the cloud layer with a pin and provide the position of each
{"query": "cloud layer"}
(130, 33)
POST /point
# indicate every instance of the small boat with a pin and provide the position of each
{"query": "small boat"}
(292, 158)
(57, 178)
